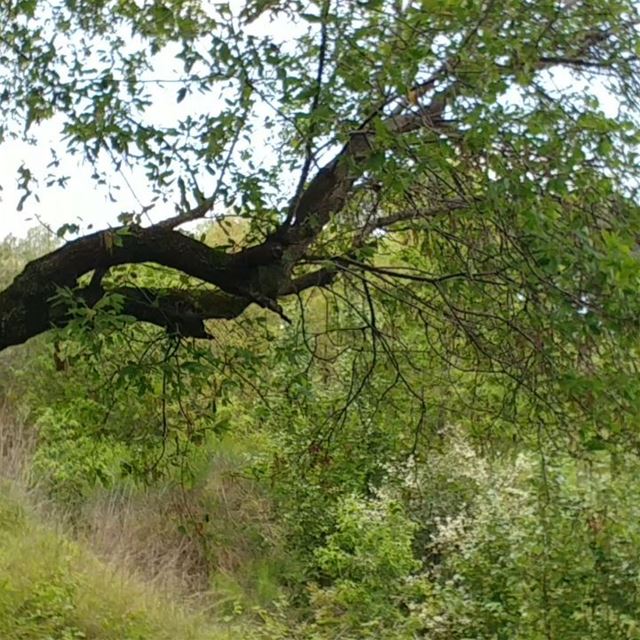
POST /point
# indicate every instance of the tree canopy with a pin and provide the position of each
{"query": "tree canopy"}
(472, 163)
(361, 362)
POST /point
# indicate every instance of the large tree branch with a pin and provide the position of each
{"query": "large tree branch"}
(329, 190)
(322, 57)
(185, 311)
(181, 311)
(27, 307)
(128, 245)
(196, 213)
(31, 305)
(261, 273)
(256, 274)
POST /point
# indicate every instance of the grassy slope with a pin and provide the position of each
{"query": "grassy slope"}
(52, 589)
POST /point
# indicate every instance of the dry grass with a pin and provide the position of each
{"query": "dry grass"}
(202, 545)
(17, 444)
(122, 564)
(131, 529)
(140, 529)
(56, 588)
(208, 548)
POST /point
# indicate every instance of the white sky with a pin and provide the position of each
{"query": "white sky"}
(82, 201)
(85, 203)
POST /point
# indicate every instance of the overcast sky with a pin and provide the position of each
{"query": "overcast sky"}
(57, 206)
(85, 204)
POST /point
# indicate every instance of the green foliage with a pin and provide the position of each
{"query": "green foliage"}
(540, 556)
(525, 555)
(389, 471)
(368, 560)
(70, 460)
(15, 252)
(336, 514)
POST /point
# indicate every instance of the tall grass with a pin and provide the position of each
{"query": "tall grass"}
(17, 444)
(57, 584)
(51, 587)
(216, 544)
(140, 529)
(149, 555)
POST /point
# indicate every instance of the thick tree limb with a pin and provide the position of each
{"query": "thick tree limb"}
(329, 190)
(27, 307)
(320, 278)
(196, 213)
(181, 311)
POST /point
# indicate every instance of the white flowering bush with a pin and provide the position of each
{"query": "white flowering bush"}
(549, 549)
(466, 548)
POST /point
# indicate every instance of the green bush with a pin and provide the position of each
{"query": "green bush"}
(367, 561)
(70, 460)
(548, 550)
